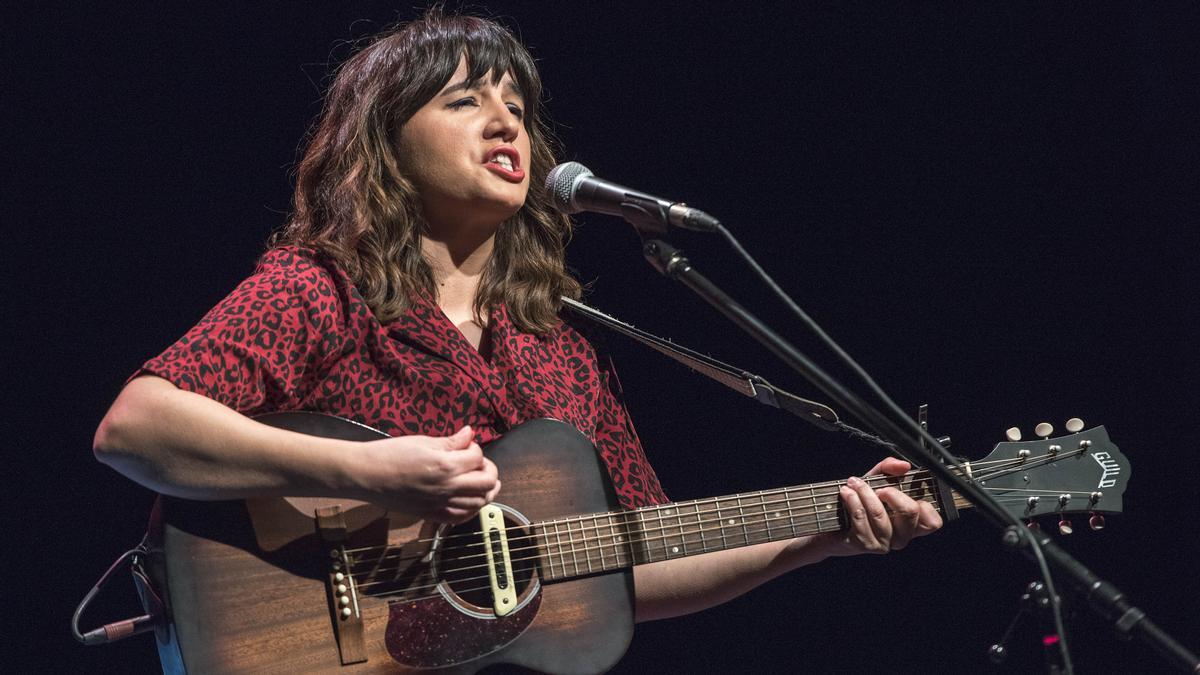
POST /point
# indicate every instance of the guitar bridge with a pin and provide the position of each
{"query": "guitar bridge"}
(342, 592)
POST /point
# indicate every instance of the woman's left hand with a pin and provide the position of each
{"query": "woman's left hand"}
(880, 520)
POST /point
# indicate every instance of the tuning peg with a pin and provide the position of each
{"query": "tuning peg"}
(997, 654)
(1013, 434)
(1064, 526)
(1096, 522)
(1044, 429)
(1074, 425)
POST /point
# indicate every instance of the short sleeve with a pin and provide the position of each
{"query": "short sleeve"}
(267, 343)
(633, 478)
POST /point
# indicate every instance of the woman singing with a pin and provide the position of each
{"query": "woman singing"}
(416, 289)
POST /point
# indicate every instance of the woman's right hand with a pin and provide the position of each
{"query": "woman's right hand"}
(446, 480)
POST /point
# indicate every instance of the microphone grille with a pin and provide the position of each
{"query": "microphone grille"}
(560, 183)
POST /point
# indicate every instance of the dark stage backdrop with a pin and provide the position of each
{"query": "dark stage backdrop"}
(989, 205)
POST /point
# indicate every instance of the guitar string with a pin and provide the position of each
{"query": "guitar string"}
(650, 549)
(678, 531)
(618, 563)
(584, 530)
(581, 545)
(720, 504)
(915, 475)
(588, 550)
(822, 511)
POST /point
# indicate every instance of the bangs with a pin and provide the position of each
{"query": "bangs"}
(488, 48)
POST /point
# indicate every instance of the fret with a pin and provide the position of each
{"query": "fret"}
(575, 552)
(587, 540)
(720, 523)
(767, 516)
(671, 546)
(697, 530)
(562, 549)
(729, 535)
(742, 517)
(791, 514)
(558, 548)
(646, 552)
(542, 536)
(830, 506)
(812, 493)
(758, 522)
(682, 534)
(660, 537)
(571, 542)
(710, 517)
(599, 545)
(617, 542)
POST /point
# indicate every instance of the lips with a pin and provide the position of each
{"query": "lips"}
(505, 161)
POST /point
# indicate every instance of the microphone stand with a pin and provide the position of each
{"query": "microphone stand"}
(918, 447)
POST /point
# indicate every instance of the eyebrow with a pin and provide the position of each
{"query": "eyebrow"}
(510, 86)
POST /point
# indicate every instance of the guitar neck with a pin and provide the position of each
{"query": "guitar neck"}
(581, 545)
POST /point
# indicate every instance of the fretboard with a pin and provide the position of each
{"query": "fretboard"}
(589, 544)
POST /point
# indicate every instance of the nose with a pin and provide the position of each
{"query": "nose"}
(502, 123)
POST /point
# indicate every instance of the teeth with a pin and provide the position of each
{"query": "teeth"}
(504, 161)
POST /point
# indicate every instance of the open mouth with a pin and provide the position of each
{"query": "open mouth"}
(506, 157)
(505, 162)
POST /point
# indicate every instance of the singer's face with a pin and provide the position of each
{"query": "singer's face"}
(468, 153)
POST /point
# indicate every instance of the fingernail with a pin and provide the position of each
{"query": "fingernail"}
(854, 482)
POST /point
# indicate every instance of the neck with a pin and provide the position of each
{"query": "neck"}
(458, 263)
(582, 545)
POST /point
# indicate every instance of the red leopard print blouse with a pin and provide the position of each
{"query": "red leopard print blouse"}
(297, 335)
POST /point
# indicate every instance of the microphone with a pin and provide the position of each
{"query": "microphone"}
(573, 188)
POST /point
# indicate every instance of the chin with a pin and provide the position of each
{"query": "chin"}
(510, 206)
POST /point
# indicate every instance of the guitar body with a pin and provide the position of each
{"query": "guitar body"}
(248, 582)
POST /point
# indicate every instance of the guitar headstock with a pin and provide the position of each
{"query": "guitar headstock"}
(1082, 472)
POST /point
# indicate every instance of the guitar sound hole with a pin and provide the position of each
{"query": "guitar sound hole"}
(463, 562)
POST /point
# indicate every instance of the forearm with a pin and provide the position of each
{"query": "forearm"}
(187, 445)
(685, 585)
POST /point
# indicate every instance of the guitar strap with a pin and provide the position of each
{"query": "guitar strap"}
(741, 381)
(749, 384)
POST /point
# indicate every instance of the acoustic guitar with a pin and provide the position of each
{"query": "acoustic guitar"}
(542, 579)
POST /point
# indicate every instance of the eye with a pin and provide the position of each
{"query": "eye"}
(463, 102)
(516, 110)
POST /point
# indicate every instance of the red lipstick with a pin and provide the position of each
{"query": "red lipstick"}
(514, 175)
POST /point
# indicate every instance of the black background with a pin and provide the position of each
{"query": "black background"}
(990, 206)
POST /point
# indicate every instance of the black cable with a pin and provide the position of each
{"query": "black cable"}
(99, 635)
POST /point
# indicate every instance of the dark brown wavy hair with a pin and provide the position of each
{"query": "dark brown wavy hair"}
(353, 203)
